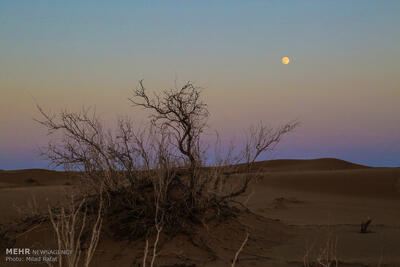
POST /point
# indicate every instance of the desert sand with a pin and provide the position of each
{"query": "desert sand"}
(295, 208)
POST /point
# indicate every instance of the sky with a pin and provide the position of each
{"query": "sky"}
(342, 83)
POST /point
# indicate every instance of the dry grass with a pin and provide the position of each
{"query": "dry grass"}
(324, 255)
(158, 222)
(31, 208)
(69, 225)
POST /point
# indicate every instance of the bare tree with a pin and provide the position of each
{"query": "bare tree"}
(183, 113)
(107, 158)
(165, 158)
(261, 139)
(258, 140)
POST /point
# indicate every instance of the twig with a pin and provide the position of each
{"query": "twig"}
(239, 250)
(146, 251)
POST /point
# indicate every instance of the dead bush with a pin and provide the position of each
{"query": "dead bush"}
(76, 231)
(158, 169)
(364, 226)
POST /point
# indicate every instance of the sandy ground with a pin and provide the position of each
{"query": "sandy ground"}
(316, 204)
(297, 207)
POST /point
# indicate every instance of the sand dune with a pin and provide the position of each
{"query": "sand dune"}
(356, 182)
(32, 177)
(293, 203)
(306, 165)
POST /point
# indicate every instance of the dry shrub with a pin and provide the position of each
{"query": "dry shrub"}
(364, 226)
(156, 175)
(324, 255)
(70, 225)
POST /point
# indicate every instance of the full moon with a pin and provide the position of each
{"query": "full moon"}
(285, 60)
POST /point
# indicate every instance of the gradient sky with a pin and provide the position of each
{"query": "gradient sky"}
(343, 82)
